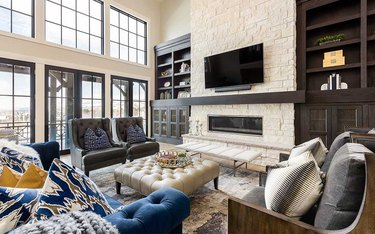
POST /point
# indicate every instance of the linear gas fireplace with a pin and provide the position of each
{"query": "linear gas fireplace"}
(236, 124)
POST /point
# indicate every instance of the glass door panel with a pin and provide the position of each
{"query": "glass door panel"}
(60, 105)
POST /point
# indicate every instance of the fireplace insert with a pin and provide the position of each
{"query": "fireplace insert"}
(236, 124)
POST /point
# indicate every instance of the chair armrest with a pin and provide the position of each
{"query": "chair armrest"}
(160, 212)
(244, 217)
(116, 145)
(150, 139)
(355, 137)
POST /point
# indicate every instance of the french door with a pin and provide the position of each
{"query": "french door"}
(71, 94)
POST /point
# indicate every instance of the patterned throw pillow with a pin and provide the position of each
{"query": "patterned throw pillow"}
(9, 177)
(16, 206)
(17, 160)
(14, 163)
(34, 177)
(97, 139)
(135, 134)
(66, 190)
(293, 190)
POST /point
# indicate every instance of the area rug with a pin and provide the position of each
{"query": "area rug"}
(208, 210)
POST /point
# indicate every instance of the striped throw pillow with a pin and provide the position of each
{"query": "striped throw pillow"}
(294, 189)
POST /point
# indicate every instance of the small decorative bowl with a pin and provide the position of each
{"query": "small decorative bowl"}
(172, 159)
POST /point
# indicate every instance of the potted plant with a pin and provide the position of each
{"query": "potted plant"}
(330, 39)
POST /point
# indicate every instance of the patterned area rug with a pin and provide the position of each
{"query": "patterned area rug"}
(209, 209)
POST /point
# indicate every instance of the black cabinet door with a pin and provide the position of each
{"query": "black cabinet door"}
(315, 121)
(345, 117)
(328, 121)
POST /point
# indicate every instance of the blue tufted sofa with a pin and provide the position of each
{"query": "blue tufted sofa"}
(160, 212)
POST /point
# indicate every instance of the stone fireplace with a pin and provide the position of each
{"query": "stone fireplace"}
(235, 124)
(233, 25)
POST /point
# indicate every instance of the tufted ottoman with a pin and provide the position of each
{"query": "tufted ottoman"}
(145, 176)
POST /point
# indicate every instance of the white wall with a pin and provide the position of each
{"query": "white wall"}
(37, 50)
(175, 19)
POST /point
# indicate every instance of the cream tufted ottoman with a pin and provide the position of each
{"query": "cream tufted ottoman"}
(145, 176)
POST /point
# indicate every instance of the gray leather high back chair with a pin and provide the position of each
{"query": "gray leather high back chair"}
(90, 160)
(137, 150)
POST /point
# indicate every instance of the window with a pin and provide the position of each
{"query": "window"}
(17, 16)
(92, 93)
(128, 37)
(129, 98)
(17, 100)
(71, 94)
(75, 23)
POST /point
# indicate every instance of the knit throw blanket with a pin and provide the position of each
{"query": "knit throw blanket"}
(75, 222)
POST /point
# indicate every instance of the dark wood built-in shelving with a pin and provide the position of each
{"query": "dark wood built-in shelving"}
(334, 45)
(182, 73)
(169, 58)
(165, 88)
(335, 68)
(182, 86)
(182, 60)
(334, 21)
(164, 64)
(327, 113)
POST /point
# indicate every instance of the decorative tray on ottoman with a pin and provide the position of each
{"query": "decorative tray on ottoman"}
(172, 159)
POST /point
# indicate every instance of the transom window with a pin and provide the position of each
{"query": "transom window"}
(17, 100)
(17, 16)
(75, 23)
(128, 37)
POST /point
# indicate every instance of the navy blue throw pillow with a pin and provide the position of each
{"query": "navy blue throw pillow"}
(97, 139)
(135, 134)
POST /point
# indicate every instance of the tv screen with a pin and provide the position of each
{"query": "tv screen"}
(233, 68)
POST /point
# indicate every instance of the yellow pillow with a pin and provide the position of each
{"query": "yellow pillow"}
(34, 177)
(9, 177)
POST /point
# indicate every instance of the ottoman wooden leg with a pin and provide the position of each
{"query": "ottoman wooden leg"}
(216, 183)
(118, 187)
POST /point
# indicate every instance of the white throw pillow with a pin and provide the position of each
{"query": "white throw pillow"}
(293, 190)
(316, 146)
(372, 131)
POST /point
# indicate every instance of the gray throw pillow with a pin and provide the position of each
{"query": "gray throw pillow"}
(344, 188)
(339, 141)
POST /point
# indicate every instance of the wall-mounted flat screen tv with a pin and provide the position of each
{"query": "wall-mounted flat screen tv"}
(235, 68)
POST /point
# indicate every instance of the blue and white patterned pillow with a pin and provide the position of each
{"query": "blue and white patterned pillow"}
(67, 190)
(135, 134)
(16, 206)
(14, 163)
(22, 156)
(97, 139)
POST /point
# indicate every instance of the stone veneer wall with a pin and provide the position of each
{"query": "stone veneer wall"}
(220, 25)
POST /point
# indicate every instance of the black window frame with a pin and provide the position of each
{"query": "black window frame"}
(131, 80)
(77, 95)
(32, 92)
(128, 31)
(32, 18)
(76, 23)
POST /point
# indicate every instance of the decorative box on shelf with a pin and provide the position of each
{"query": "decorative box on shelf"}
(334, 58)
